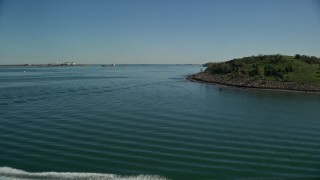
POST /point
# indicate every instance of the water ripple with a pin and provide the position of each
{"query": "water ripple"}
(131, 121)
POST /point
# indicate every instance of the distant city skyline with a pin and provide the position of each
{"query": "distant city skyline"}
(155, 31)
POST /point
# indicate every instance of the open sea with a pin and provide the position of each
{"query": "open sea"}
(148, 122)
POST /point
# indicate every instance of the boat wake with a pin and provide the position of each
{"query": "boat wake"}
(8, 173)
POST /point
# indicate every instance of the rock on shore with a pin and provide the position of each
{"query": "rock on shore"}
(253, 82)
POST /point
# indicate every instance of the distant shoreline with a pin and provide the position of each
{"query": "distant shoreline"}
(253, 83)
(42, 65)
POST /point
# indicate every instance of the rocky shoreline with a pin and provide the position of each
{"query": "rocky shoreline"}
(253, 83)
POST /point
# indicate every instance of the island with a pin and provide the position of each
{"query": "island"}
(278, 72)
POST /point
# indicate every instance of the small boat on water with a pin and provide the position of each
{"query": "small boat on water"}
(108, 65)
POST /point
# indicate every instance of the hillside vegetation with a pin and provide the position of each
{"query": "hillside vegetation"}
(298, 68)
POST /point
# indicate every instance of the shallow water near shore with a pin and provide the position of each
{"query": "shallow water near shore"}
(148, 122)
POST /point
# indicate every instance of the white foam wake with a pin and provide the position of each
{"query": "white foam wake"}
(7, 173)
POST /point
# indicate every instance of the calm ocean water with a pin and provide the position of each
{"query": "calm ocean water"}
(148, 122)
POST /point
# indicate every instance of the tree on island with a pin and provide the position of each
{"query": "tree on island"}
(271, 67)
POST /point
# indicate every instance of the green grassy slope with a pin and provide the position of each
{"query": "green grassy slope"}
(304, 69)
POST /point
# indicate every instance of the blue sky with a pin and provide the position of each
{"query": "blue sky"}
(155, 31)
